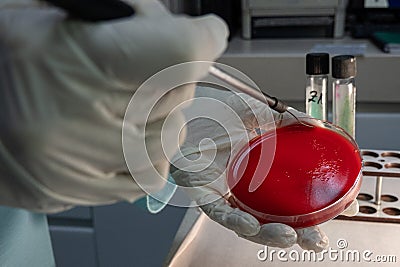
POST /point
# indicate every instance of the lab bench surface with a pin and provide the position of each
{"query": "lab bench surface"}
(202, 242)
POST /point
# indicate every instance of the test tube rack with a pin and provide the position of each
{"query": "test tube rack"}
(379, 196)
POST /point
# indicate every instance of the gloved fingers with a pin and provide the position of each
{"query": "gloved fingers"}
(152, 33)
(234, 219)
(312, 238)
(114, 46)
(274, 235)
(215, 30)
(203, 188)
(207, 186)
(351, 210)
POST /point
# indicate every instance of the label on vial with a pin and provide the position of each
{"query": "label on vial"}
(315, 98)
(315, 106)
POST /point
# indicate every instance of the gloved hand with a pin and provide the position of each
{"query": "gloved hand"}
(201, 167)
(64, 89)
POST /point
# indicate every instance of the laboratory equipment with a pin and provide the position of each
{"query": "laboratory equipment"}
(317, 70)
(379, 196)
(365, 18)
(315, 175)
(344, 92)
(287, 18)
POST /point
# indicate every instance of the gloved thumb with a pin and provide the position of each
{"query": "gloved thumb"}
(351, 210)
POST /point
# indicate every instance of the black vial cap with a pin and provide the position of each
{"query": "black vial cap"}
(344, 67)
(317, 63)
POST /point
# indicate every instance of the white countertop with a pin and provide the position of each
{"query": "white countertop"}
(209, 244)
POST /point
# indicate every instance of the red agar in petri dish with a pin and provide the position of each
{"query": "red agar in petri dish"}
(314, 176)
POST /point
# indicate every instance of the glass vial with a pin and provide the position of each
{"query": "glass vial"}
(344, 92)
(317, 70)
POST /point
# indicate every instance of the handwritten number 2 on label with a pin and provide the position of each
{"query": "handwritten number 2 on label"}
(314, 94)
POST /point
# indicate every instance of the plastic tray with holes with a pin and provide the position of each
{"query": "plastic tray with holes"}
(385, 164)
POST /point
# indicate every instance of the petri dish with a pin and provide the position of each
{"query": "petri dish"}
(315, 174)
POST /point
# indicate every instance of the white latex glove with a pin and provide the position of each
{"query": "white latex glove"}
(212, 196)
(64, 88)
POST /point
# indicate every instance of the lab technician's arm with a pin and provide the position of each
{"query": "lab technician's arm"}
(64, 88)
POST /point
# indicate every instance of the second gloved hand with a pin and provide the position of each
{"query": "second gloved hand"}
(65, 85)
